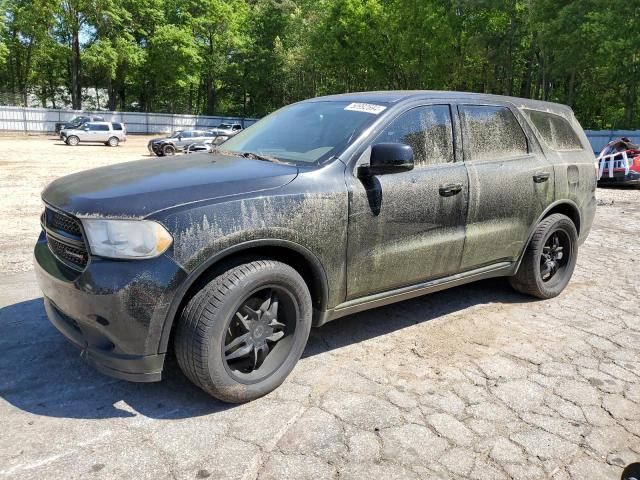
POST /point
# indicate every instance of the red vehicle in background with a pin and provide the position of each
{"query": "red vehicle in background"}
(619, 163)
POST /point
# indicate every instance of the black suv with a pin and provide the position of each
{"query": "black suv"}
(324, 208)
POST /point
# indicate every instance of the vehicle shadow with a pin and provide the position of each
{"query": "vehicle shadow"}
(41, 373)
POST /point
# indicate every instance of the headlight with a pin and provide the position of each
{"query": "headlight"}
(126, 238)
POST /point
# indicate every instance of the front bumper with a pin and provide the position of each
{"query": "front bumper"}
(113, 311)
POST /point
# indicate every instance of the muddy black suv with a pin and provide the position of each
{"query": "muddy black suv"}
(324, 208)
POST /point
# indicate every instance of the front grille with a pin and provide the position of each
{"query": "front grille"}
(67, 253)
(64, 223)
(65, 239)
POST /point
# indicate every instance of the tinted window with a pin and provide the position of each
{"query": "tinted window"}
(117, 126)
(186, 134)
(491, 133)
(555, 130)
(98, 127)
(427, 130)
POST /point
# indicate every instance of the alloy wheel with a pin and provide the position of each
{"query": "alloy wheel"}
(555, 255)
(258, 337)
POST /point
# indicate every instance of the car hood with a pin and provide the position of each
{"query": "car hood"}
(138, 189)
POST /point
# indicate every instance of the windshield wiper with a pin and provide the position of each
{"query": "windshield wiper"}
(251, 155)
(258, 156)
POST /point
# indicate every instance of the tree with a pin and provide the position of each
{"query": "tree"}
(249, 57)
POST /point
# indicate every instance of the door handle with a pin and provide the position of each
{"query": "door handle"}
(450, 189)
(541, 177)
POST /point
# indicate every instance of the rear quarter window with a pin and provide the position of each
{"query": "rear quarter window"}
(554, 130)
(116, 126)
(491, 133)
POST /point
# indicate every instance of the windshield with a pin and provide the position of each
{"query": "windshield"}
(224, 126)
(176, 134)
(77, 120)
(309, 132)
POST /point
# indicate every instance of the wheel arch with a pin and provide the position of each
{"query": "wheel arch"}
(291, 253)
(565, 207)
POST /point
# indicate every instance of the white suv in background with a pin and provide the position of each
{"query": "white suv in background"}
(109, 133)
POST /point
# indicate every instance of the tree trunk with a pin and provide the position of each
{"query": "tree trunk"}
(112, 95)
(210, 89)
(76, 84)
(571, 90)
(507, 85)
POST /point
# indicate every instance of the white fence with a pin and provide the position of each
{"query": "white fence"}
(43, 120)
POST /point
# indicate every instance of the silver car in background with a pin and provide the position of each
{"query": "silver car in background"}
(109, 133)
(227, 129)
(177, 141)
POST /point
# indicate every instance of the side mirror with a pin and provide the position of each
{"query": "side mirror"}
(179, 137)
(387, 158)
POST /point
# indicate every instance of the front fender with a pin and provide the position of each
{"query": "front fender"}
(248, 246)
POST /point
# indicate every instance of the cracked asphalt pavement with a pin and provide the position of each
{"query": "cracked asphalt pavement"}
(475, 382)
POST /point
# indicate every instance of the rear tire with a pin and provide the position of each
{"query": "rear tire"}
(549, 260)
(241, 335)
(113, 142)
(168, 150)
(72, 140)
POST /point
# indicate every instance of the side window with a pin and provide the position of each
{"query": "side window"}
(92, 126)
(186, 134)
(427, 130)
(103, 127)
(117, 126)
(491, 133)
(555, 130)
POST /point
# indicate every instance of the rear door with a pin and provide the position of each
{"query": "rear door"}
(408, 227)
(102, 133)
(510, 182)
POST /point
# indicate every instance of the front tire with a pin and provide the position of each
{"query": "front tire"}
(168, 150)
(241, 335)
(72, 140)
(550, 258)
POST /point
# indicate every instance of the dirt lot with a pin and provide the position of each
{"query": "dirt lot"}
(27, 165)
(475, 382)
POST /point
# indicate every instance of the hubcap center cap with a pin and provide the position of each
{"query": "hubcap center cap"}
(258, 331)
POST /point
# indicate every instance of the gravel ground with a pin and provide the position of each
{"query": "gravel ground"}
(474, 382)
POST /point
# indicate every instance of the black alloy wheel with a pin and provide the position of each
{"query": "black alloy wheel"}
(555, 255)
(259, 334)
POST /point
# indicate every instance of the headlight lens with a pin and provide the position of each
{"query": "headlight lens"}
(126, 238)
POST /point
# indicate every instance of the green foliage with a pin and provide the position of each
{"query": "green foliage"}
(249, 57)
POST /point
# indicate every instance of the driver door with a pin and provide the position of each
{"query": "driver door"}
(185, 138)
(405, 228)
